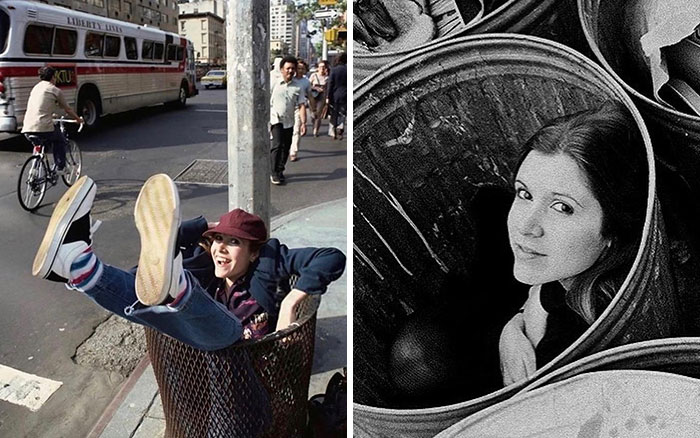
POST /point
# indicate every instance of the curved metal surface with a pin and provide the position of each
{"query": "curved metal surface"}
(412, 166)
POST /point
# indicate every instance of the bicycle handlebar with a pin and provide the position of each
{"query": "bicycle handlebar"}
(64, 120)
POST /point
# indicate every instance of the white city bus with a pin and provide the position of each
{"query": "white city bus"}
(104, 66)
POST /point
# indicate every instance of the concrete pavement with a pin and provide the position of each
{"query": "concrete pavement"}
(137, 411)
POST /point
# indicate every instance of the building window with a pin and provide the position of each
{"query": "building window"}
(182, 26)
(204, 38)
(127, 7)
(204, 24)
(164, 18)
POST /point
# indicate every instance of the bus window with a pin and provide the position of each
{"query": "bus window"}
(147, 50)
(180, 53)
(158, 51)
(172, 52)
(130, 47)
(93, 44)
(38, 39)
(65, 41)
(4, 29)
(112, 46)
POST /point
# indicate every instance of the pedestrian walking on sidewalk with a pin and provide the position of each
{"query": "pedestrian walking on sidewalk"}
(205, 284)
(338, 94)
(305, 86)
(285, 97)
(319, 85)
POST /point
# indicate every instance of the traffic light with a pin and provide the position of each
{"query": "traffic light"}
(342, 34)
(331, 35)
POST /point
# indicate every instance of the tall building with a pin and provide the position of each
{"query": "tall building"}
(203, 23)
(157, 13)
(216, 7)
(282, 26)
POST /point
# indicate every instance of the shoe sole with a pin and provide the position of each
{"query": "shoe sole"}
(157, 217)
(61, 218)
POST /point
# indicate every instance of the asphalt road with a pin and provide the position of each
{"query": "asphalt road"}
(43, 323)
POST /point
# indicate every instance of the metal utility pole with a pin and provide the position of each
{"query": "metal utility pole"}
(248, 98)
(324, 44)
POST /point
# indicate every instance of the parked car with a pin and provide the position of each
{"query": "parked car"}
(214, 78)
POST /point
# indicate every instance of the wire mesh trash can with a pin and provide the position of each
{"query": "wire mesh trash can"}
(430, 131)
(252, 389)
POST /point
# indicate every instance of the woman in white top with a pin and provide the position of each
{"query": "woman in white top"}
(319, 81)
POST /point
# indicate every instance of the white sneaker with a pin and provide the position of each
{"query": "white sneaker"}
(69, 232)
(157, 217)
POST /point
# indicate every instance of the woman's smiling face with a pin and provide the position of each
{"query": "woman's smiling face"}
(232, 256)
(555, 222)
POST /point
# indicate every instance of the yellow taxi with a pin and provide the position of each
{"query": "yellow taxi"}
(214, 78)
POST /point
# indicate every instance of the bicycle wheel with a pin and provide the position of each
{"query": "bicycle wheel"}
(32, 182)
(74, 164)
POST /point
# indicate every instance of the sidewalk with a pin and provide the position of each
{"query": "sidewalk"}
(137, 412)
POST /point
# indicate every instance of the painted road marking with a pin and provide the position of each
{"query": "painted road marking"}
(210, 111)
(25, 389)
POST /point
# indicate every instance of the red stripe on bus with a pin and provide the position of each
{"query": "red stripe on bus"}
(107, 70)
(34, 71)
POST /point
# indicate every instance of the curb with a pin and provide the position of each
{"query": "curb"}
(118, 399)
(281, 220)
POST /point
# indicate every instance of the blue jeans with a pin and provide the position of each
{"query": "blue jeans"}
(197, 320)
(57, 141)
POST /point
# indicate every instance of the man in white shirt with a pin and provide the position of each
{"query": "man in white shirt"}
(44, 99)
(285, 96)
(305, 86)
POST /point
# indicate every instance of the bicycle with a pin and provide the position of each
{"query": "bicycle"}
(38, 172)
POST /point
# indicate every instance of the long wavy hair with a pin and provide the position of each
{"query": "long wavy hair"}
(606, 145)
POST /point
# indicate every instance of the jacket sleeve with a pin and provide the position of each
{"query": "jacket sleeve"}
(189, 234)
(316, 267)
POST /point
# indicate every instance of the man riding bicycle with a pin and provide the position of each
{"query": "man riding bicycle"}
(38, 120)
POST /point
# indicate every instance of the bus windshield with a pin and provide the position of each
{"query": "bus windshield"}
(4, 29)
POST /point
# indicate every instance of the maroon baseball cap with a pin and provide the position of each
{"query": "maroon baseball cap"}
(239, 223)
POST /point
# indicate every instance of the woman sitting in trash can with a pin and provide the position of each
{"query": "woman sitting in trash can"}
(575, 227)
(208, 296)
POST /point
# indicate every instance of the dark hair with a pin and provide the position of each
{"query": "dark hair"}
(206, 243)
(606, 145)
(287, 59)
(46, 73)
(341, 59)
(306, 66)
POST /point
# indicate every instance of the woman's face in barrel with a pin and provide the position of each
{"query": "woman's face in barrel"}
(232, 256)
(555, 222)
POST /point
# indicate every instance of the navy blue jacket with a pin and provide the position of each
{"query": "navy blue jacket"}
(315, 267)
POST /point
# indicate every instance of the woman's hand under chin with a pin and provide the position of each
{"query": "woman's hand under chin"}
(516, 352)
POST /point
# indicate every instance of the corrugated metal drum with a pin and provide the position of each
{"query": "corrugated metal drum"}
(429, 131)
(552, 19)
(619, 403)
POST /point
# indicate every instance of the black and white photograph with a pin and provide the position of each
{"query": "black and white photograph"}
(525, 210)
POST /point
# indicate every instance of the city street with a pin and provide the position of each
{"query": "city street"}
(43, 323)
